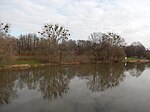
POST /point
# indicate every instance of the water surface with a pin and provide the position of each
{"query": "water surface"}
(79, 88)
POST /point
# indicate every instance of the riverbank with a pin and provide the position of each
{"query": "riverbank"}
(136, 60)
(32, 63)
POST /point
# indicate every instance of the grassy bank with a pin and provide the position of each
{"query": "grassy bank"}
(136, 60)
(28, 63)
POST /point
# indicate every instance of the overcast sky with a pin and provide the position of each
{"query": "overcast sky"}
(128, 18)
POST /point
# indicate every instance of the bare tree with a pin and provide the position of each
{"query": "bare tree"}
(136, 49)
(4, 28)
(7, 52)
(54, 35)
(107, 47)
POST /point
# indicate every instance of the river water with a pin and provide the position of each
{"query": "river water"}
(77, 88)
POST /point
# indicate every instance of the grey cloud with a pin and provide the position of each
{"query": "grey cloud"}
(129, 18)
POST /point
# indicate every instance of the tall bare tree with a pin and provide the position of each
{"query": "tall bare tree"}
(54, 35)
(7, 52)
(107, 47)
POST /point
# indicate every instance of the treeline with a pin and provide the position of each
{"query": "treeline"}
(52, 45)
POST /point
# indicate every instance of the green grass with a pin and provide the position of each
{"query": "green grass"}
(131, 58)
(30, 62)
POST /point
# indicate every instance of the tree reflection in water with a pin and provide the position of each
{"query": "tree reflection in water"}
(7, 92)
(53, 82)
(135, 69)
(103, 76)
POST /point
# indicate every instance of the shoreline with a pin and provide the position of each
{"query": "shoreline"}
(27, 66)
(137, 61)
